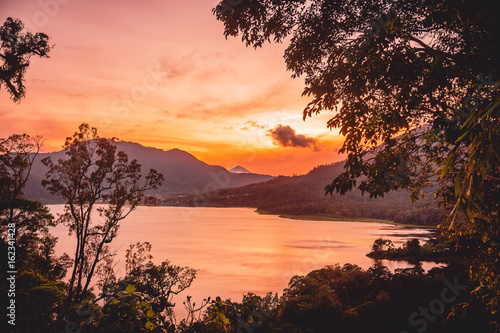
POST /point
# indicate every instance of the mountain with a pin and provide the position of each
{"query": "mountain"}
(305, 196)
(239, 169)
(183, 172)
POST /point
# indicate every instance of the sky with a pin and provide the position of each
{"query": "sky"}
(161, 73)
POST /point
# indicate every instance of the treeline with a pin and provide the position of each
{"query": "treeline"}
(350, 299)
(304, 195)
(435, 249)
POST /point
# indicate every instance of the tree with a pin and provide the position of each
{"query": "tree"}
(17, 154)
(24, 235)
(156, 283)
(382, 245)
(16, 49)
(162, 281)
(130, 311)
(95, 172)
(412, 87)
(25, 222)
(412, 247)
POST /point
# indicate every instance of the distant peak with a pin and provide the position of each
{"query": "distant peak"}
(239, 169)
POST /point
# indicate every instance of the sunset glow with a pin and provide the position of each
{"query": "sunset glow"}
(162, 74)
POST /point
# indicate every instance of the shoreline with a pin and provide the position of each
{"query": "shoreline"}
(410, 259)
(313, 217)
(308, 217)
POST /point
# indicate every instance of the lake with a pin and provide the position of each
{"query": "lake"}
(237, 250)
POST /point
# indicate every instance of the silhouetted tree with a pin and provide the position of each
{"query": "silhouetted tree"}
(24, 232)
(17, 154)
(94, 173)
(24, 221)
(16, 49)
(381, 245)
(156, 283)
(412, 247)
(413, 85)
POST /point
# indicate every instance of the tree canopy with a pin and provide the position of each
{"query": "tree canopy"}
(95, 172)
(16, 49)
(25, 240)
(413, 89)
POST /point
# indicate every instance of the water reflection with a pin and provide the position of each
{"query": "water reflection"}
(238, 251)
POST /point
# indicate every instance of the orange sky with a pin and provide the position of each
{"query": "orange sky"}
(161, 73)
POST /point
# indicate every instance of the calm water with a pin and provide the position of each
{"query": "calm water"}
(237, 250)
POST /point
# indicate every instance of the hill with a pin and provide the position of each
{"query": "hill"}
(304, 196)
(183, 172)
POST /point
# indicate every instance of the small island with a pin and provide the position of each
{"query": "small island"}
(411, 251)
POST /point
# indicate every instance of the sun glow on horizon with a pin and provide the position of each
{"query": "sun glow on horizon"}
(169, 80)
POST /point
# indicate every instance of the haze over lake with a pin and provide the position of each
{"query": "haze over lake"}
(237, 250)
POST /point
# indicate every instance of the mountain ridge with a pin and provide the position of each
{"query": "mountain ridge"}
(304, 196)
(183, 172)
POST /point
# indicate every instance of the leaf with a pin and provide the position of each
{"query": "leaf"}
(458, 183)
(149, 325)
(115, 301)
(150, 313)
(463, 136)
(492, 108)
(130, 289)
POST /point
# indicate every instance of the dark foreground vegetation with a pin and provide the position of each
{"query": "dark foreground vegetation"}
(350, 299)
(93, 299)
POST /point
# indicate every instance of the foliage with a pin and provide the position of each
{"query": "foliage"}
(412, 247)
(38, 301)
(436, 250)
(381, 244)
(389, 69)
(251, 315)
(130, 311)
(30, 219)
(24, 227)
(160, 283)
(413, 86)
(17, 154)
(479, 314)
(350, 299)
(95, 172)
(16, 49)
(163, 281)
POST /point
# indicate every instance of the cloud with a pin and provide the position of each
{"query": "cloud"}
(255, 124)
(252, 123)
(285, 136)
(193, 66)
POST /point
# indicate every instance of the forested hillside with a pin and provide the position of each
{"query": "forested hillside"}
(305, 195)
